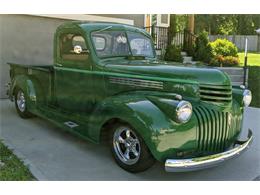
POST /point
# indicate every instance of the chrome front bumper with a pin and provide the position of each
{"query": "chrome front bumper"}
(192, 164)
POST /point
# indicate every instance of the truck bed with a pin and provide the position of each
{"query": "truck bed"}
(32, 66)
(40, 75)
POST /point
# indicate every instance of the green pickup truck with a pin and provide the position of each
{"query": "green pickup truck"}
(106, 85)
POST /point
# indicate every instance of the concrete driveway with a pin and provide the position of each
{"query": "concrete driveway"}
(53, 154)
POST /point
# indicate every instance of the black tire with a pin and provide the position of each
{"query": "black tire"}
(23, 112)
(144, 161)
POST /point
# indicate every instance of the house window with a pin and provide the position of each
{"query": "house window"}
(160, 20)
(164, 18)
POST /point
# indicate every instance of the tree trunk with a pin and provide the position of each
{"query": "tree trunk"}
(191, 23)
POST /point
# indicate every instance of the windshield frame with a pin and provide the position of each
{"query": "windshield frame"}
(128, 43)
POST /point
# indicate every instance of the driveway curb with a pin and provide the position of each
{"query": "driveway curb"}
(36, 172)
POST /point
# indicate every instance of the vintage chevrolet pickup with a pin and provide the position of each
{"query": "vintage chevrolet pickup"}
(107, 84)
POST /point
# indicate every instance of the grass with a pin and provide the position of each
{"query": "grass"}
(11, 168)
(253, 59)
(254, 84)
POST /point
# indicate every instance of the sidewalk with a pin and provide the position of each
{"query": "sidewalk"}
(53, 154)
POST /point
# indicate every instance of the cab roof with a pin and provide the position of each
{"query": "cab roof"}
(95, 26)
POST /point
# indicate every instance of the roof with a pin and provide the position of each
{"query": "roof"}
(94, 26)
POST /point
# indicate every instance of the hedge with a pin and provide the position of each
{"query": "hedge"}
(254, 84)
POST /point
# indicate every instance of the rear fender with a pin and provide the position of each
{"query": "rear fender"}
(27, 85)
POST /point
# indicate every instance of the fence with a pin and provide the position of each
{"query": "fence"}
(185, 40)
(239, 41)
(162, 37)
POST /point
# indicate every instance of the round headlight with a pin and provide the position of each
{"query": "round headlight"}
(247, 97)
(183, 111)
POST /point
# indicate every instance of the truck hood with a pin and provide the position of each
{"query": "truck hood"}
(165, 70)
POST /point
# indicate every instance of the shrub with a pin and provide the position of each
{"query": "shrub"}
(220, 60)
(203, 50)
(231, 61)
(173, 53)
(224, 47)
(191, 50)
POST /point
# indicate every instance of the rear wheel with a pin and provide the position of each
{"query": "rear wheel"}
(129, 150)
(21, 103)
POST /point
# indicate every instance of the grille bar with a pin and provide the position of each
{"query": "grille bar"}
(215, 93)
(210, 97)
(215, 128)
(221, 87)
(209, 122)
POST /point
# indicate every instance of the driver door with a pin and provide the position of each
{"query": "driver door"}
(73, 79)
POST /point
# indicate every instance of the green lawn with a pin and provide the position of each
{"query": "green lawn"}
(253, 59)
(11, 168)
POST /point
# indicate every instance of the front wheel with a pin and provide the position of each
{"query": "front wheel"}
(129, 150)
(21, 103)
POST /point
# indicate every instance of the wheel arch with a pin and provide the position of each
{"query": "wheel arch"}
(106, 126)
(28, 85)
(138, 112)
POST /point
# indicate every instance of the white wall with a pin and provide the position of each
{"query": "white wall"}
(25, 39)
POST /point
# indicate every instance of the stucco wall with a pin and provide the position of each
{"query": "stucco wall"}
(27, 39)
(2, 79)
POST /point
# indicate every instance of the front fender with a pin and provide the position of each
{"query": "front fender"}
(237, 93)
(162, 135)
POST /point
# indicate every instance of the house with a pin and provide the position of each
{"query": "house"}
(20, 42)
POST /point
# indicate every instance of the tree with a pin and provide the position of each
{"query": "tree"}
(245, 24)
(215, 24)
(205, 22)
(227, 24)
(178, 22)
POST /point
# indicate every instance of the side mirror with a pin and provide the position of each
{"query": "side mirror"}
(77, 49)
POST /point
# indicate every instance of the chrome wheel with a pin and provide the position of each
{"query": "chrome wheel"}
(20, 101)
(126, 145)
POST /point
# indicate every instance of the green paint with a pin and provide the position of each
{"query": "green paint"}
(141, 92)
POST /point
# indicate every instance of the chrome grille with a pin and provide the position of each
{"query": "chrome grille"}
(216, 93)
(216, 129)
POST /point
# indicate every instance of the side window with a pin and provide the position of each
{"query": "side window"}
(73, 47)
(99, 42)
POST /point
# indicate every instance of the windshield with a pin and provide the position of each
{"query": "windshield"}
(120, 43)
